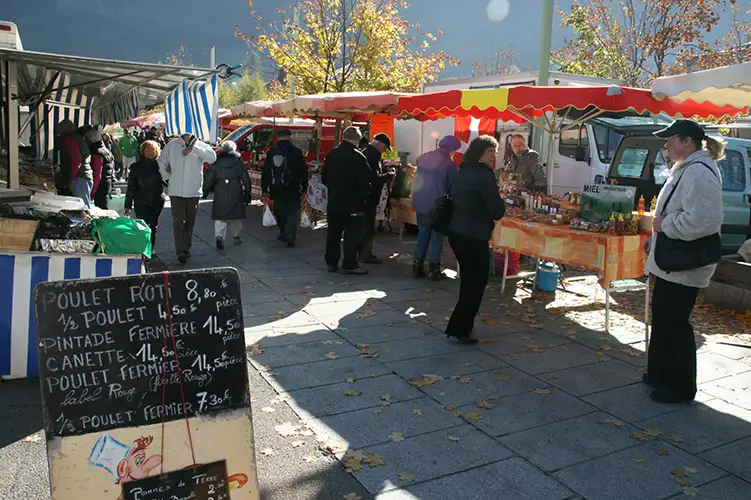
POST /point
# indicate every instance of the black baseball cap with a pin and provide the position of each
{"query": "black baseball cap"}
(685, 128)
(384, 138)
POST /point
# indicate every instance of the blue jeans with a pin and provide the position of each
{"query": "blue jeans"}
(82, 189)
(428, 238)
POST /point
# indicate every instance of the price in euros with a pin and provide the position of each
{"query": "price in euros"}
(213, 327)
(207, 400)
(194, 294)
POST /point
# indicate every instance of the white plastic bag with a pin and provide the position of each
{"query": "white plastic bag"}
(305, 221)
(268, 218)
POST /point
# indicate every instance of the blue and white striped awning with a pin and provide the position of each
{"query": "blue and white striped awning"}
(193, 108)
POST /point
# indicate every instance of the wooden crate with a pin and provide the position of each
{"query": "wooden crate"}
(17, 234)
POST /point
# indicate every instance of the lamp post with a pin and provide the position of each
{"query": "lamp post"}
(543, 78)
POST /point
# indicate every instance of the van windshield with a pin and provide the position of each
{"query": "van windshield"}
(607, 141)
(237, 134)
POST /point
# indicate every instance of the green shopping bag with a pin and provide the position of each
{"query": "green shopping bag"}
(121, 236)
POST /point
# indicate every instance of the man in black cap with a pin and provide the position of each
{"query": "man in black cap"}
(347, 176)
(284, 179)
(381, 143)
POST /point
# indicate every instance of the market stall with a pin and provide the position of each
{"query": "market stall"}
(596, 228)
(44, 236)
(378, 109)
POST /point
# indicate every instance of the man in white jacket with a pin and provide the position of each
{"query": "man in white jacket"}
(181, 166)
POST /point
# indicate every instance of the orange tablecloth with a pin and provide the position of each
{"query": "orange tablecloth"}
(613, 257)
(403, 211)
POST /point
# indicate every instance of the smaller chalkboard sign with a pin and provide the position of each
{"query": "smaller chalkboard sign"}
(202, 482)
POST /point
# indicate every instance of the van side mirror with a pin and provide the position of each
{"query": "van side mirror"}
(580, 154)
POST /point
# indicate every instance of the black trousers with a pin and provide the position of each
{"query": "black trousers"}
(351, 228)
(150, 215)
(286, 211)
(474, 261)
(101, 197)
(368, 232)
(672, 349)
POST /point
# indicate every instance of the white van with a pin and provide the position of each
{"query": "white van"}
(9, 37)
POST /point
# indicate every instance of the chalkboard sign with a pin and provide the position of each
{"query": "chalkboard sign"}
(109, 347)
(203, 482)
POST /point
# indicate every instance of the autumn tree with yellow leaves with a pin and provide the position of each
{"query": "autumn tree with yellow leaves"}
(637, 41)
(380, 53)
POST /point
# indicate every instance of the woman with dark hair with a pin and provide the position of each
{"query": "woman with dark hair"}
(477, 205)
(103, 168)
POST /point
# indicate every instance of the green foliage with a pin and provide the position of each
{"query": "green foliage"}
(246, 88)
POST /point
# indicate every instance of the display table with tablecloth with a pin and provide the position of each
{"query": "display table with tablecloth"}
(612, 257)
(20, 272)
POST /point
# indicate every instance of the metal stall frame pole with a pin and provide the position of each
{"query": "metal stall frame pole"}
(646, 318)
(12, 131)
(607, 309)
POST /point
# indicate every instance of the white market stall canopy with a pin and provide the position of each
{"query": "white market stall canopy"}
(112, 90)
(729, 85)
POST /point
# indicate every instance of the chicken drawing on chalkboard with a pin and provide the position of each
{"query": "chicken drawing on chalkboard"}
(130, 463)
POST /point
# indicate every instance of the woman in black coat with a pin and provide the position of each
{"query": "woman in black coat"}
(103, 166)
(228, 179)
(477, 205)
(146, 188)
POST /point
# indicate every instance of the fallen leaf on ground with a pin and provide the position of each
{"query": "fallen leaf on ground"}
(367, 314)
(385, 335)
(283, 397)
(386, 397)
(495, 322)
(653, 432)
(331, 355)
(485, 404)
(449, 407)
(676, 438)
(534, 348)
(374, 459)
(334, 447)
(288, 429)
(473, 416)
(639, 436)
(417, 412)
(33, 438)
(297, 444)
(425, 380)
(465, 380)
(254, 350)
(502, 378)
(396, 437)
(267, 452)
(268, 409)
(639, 460)
(662, 452)
(406, 477)
(614, 422)
(377, 411)
(351, 380)
(352, 392)
(452, 438)
(487, 341)
(542, 392)
(680, 473)
(690, 470)
(605, 348)
(310, 459)
(691, 491)
(352, 496)
(527, 337)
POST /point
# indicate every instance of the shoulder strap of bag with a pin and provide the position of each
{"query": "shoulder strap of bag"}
(675, 186)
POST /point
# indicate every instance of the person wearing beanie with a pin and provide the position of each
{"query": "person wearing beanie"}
(378, 177)
(347, 177)
(435, 174)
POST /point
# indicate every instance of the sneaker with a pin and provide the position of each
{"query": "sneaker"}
(359, 271)
(182, 257)
(238, 241)
(220, 243)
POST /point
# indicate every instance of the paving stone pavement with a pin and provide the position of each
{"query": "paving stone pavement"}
(540, 409)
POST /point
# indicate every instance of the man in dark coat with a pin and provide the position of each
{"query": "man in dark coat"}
(347, 176)
(378, 177)
(284, 179)
(75, 177)
(228, 179)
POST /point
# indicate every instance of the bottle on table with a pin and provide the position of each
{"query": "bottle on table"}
(640, 209)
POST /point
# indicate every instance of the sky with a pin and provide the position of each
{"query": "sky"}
(146, 30)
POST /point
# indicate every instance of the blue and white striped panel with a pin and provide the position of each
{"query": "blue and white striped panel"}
(44, 123)
(20, 273)
(193, 108)
(120, 110)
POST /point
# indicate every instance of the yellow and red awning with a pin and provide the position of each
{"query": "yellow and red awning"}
(519, 103)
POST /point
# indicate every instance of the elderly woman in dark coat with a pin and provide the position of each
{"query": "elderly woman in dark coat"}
(228, 179)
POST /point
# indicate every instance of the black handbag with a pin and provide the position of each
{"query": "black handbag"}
(442, 213)
(680, 255)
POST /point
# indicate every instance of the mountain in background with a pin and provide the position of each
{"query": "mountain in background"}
(146, 30)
